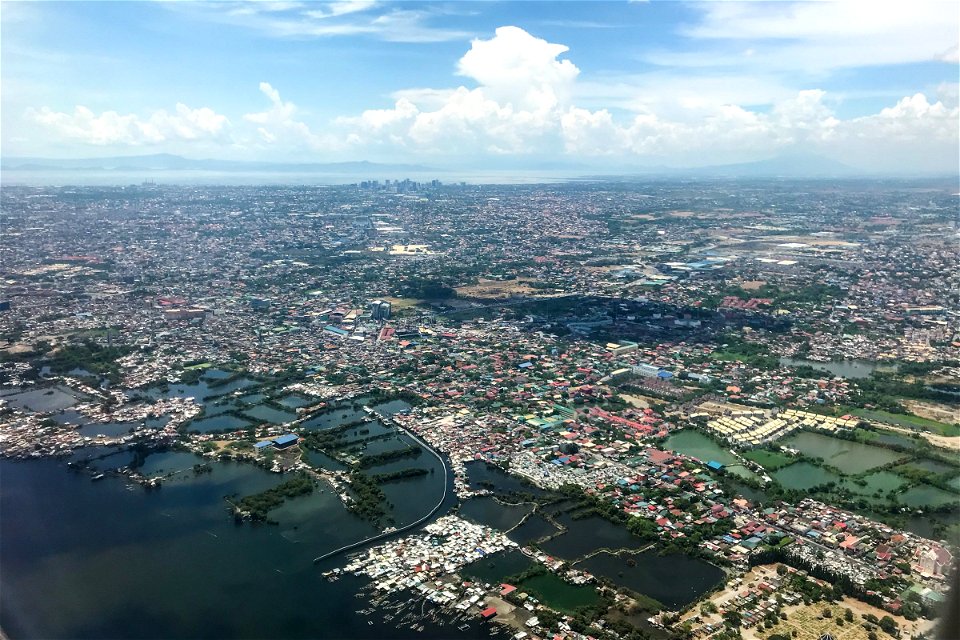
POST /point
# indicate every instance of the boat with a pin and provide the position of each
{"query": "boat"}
(99, 476)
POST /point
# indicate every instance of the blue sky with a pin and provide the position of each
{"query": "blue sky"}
(872, 84)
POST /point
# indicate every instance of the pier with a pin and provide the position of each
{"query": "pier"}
(412, 525)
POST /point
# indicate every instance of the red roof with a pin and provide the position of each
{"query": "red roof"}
(489, 612)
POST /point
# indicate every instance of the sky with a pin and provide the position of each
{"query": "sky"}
(870, 84)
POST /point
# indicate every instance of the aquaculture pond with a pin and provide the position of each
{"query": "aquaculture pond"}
(850, 457)
(695, 444)
(882, 481)
(843, 368)
(587, 535)
(295, 402)
(674, 580)
(482, 475)
(168, 462)
(803, 475)
(932, 466)
(498, 566)
(263, 413)
(894, 439)
(109, 429)
(44, 400)
(534, 528)
(549, 589)
(925, 495)
(486, 510)
(218, 423)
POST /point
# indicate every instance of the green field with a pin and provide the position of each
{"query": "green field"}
(770, 460)
(904, 420)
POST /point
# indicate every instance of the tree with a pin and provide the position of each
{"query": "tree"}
(889, 625)
(848, 614)
(732, 618)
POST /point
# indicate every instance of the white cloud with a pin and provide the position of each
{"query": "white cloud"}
(326, 19)
(523, 90)
(112, 128)
(525, 104)
(813, 37)
(281, 126)
(528, 100)
(517, 68)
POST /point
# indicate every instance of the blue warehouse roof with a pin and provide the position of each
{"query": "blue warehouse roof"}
(286, 439)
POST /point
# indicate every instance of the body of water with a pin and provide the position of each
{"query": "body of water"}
(110, 429)
(587, 535)
(674, 580)
(843, 368)
(851, 457)
(535, 528)
(803, 475)
(551, 590)
(486, 510)
(89, 559)
(495, 568)
(695, 444)
(218, 423)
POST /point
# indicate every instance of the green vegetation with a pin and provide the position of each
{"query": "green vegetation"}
(88, 355)
(770, 460)
(389, 456)
(907, 420)
(370, 499)
(261, 503)
(401, 474)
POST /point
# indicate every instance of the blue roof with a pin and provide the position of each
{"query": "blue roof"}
(261, 445)
(524, 365)
(335, 330)
(713, 464)
(286, 438)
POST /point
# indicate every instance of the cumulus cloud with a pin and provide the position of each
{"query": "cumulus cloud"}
(523, 88)
(525, 103)
(280, 125)
(112, 128)
(525, 99)
(519, 69)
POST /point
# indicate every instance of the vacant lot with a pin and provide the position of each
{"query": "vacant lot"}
(497, 289)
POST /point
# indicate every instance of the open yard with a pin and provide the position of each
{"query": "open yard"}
(770, 460)
(809, 623)
(903, 420)
(497, 289)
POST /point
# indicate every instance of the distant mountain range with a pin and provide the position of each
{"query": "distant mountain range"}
(169, 162)
(790, 165)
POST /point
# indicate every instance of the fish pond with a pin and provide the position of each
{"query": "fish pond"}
(850, 457)
(674, 580)
(695, 444)
(803, 475)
